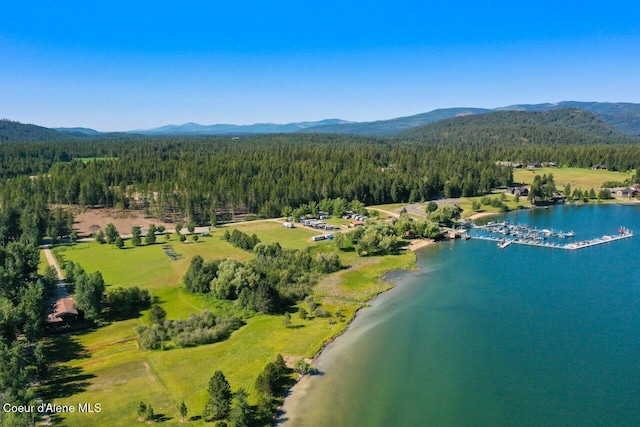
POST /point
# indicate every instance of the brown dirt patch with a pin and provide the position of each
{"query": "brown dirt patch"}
(123, 220)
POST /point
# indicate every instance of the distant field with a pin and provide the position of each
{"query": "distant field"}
(98, 159)
(390, 207)
(578, 177)
(108, 367)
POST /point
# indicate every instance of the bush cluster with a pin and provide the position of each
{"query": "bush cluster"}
(204, 328)
(241, 240)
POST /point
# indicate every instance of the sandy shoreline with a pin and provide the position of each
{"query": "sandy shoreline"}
(482, 215)
(300, 388)
(417, 244)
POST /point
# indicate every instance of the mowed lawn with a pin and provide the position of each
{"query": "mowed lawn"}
(109, 367)
(578, 177)
(147, 265)
(273, 231)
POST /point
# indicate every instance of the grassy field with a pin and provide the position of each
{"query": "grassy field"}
(273, 231)
(147, 265)
(390, 207)
(466, 202)
(578, 177)
(106, 365)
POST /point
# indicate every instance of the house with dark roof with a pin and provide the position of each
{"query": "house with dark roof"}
(626, 192)
(518, 191)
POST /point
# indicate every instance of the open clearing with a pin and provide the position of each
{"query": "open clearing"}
(578, 177)
(123, 220)
(106, 365)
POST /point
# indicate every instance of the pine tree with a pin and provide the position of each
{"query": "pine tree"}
(240, 415)
(219, 403)
(183, 411)
(135, 239)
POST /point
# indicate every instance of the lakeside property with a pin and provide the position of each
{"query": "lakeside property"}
(175, 375)
(112, 369)
(491, 343)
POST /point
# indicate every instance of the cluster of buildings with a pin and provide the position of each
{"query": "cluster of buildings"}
(518, 191)
(529, 165)
(622, 192)
(318, 224)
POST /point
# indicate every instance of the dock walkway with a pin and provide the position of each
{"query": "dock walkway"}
(505, 234)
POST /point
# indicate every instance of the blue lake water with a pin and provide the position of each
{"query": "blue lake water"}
(482, 336)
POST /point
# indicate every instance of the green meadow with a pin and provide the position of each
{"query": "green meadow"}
(578, 177)
(273, 231)
(465, 204)
(107, 366)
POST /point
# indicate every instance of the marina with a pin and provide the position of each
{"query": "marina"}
(504, 234)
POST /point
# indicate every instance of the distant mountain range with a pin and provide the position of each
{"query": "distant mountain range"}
(223, 129)
(623, 117)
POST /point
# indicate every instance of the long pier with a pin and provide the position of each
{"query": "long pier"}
(523, 235)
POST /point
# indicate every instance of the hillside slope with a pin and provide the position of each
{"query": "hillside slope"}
(566, 126)
(623, 116)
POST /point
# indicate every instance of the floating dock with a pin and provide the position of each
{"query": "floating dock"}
(505, 234)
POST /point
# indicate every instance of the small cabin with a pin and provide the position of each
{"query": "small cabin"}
(626, 192)
(64, 311)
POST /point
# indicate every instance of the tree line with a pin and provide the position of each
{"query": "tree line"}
(211, 180)
(24, 301)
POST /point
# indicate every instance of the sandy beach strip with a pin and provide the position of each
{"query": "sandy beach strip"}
(482, 215)
(420, 243)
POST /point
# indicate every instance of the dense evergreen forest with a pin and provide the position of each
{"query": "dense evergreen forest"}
(260, 175)
(211, 179)
(24, 297)
(193, 179)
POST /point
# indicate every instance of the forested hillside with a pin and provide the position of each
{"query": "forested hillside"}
(16, 131)
(623, 116)
(19, 132)
(567, 126)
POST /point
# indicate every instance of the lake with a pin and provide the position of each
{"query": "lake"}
(482, 336)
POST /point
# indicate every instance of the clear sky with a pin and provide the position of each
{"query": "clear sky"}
(123, 65)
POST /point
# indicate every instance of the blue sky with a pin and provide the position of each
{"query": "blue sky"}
(115, 65)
